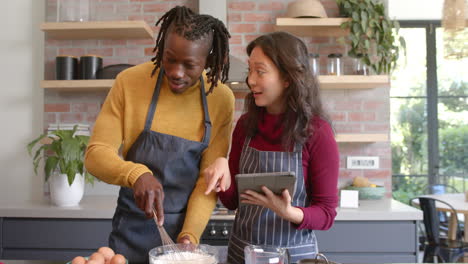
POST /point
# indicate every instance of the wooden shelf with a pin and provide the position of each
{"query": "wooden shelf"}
(361, 138)
(326, 82)
(98, 30)
(312, 27)
(353, 81)
(77, 85)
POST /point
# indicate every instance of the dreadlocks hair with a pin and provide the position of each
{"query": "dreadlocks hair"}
(193, 27)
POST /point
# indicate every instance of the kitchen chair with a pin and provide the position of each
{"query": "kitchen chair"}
(440, 188)
(444, 249)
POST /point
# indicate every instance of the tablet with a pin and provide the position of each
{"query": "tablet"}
(275, 181)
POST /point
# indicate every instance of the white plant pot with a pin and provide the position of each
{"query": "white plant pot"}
(63, 194)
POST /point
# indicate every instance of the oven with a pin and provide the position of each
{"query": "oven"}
(218, 230)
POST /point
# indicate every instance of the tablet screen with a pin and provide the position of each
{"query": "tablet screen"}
(275, 181)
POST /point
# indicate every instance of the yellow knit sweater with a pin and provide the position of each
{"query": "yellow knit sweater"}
(122, 119)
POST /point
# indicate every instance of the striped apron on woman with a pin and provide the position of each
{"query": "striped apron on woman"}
(257, 225)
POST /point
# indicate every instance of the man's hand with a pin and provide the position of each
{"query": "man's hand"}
(217, 176)
(149, 194)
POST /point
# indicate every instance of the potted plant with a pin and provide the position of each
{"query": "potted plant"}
(63, 152)
(373, 37)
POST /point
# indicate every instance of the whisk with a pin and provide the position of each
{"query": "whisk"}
(165, 238)
(174, 252)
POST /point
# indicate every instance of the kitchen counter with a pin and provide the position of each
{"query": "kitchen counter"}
(102, 207)
(379, 231)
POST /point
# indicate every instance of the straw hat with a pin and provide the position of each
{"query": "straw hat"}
(306, 8)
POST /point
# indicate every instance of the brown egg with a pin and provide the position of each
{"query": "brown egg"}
(107, 252)
(79, 260)
(93, 261)
(118, 259)
(98, 257)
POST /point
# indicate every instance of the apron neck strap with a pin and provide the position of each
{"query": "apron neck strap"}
(206, 137)
(154, 101)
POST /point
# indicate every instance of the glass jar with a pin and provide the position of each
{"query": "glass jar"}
(335, 65)
(314, 64)
(359, 67)
(72, 10)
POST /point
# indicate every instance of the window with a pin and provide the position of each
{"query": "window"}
(429, 114)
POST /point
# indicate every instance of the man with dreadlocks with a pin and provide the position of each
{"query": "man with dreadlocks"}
(172, 120)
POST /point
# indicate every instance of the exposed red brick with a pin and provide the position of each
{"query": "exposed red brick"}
(347, 105)
(374, 105)
(338, 116)
(377, 173)
(272, 6)
(149, 52)
(241, 6)
(57, 108)
(150, 19)
(135, 42)
(376, 127)
(234, 17)
(266, 28)
(242, 28)
(235, 39)
(72, 51)
(71, 117)
(104, 52)
(91, 117)
(159, 7)
(129, 8)
(85, 43)
(50, 118)
(113, 42)
(258, 17)
(318, 40)
(348, 128)
(57, 43)
(85, 107)
(129, 52)
(361, 116)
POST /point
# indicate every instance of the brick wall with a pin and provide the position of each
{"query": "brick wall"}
(352, 111)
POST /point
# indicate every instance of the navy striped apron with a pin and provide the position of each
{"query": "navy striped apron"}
(257, 225)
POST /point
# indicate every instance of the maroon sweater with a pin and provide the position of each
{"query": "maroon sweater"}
(320, 162)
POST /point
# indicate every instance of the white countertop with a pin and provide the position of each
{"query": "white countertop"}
(102, 207)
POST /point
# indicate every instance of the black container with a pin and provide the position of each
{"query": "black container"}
(66, 67)
(111, 71)
(89, 65)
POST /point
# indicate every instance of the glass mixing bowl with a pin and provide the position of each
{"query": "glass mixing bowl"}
(184, 254)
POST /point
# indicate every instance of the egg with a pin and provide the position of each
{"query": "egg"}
(93, 261)
(107, 252)
(98, 257)
(79, 260)
(118, 259)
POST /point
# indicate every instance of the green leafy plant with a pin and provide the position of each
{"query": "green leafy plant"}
(65, 153)
(372, 35)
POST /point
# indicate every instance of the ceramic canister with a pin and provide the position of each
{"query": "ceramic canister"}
(89, 65)
(66, 67)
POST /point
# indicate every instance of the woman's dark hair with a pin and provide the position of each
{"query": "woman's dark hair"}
(303, 102)
(192, 27)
